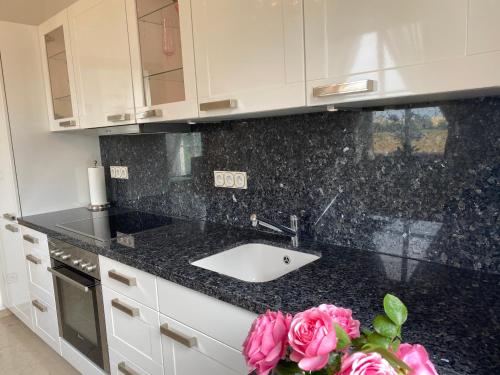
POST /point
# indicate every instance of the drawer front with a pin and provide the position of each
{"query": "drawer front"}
(32, 238)
(129, 281)
(133, 330)
(45, 322)
(40, 279)
(222, 321)
(120, 365)
(186, 351)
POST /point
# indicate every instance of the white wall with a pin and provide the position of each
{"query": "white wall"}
(51, 167)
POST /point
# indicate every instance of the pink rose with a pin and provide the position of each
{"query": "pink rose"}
(343, 317)
(361, 363)
(312, 338)
(416, 357)
(266, 342)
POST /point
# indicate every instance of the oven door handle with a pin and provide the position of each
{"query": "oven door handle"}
(68, 279)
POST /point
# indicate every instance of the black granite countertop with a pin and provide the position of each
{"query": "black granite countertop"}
(455, 313)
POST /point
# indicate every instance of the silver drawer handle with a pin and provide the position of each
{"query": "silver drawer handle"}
(38, 305)
(150, 113)
(344, 88)
(124, 369)
(33, 259)
(177, 336)
(118, 118)
(123, 307)
(219, 104)
(127, 280)
(30, 239)
(9, 217)
(67, 124)
(12, 228)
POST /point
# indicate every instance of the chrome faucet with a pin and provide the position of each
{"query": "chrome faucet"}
(293, 231)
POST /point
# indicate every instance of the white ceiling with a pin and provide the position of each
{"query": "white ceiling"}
(32, 12)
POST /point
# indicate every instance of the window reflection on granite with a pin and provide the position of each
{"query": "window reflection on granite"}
(180, 150)
(417, 130)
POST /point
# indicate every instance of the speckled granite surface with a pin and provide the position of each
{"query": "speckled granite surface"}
(454, 313)
(419, 182)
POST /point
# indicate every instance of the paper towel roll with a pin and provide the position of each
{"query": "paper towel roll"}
(97, 186)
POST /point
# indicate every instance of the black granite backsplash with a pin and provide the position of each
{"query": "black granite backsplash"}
(420, 181)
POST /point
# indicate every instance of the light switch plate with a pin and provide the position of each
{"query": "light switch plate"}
(230, 179)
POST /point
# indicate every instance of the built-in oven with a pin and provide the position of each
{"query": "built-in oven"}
(78, 293)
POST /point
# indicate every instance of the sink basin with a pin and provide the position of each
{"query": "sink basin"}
(255, 263)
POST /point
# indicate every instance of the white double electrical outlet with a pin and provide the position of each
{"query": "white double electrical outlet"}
(119, 172)
(232, 180)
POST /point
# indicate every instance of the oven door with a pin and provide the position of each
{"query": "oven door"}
(80, 312)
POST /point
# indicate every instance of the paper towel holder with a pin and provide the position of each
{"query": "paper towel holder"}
(97, 207)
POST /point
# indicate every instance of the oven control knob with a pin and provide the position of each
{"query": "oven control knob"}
(84, 265)
(58, 253)
(76, 262)
(65, 256)
(91, 268)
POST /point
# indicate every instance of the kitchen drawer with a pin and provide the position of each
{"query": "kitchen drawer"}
(120, 365)
(40, 280)
(222, 321)
(32, 238)
(129, 281)
(186, 351)
(45, 322)
(133, 330)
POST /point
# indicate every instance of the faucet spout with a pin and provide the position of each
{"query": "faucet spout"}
(293, 231)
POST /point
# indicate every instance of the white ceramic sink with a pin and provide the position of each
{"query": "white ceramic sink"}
(255, 262)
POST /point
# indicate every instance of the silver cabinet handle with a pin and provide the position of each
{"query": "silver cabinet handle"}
(127, 280)
(30, 239)
(33, 259)
(124, 369)
(344, 88)
(69, 280)
(219, 104)
(38, 305)
(123, 307)
(67, 124)
(150, 113)
(177, 336)
(12, 228)
(118, 118)
(9, 217)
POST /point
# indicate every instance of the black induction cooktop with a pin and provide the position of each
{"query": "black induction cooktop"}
(107, 227)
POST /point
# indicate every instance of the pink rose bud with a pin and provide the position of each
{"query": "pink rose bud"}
(312, 337)
(366, 364)
(416, 357)
(266, 342)
(343, 317)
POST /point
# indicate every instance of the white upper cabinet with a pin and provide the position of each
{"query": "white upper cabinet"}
(483, 26)
(161, 45)
(101, 57)
(249, 55)
(382, 45)
(58, 73)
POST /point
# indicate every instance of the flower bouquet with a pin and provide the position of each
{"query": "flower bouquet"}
(326, 340)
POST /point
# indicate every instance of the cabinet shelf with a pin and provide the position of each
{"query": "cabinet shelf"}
(57, 54)
(163, 72)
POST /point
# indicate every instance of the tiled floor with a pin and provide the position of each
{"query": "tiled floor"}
(23, 353)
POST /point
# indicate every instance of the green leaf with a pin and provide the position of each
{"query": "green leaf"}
(334, 364)
(287, 368)
(392, 359)
(343, 338)
(379, 340)
(395, 345)
(385, 327)
(365, 331)
(358, 342)
(395, 309)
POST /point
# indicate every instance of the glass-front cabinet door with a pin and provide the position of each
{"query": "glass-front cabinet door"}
(58, 72)
(161, 45)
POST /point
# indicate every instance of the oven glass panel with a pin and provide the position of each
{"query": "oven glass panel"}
(79, 314)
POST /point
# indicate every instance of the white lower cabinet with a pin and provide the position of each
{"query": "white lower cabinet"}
(45, 322)
(121, 365)
(133, 330)
(186, 351)
(78, 360)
